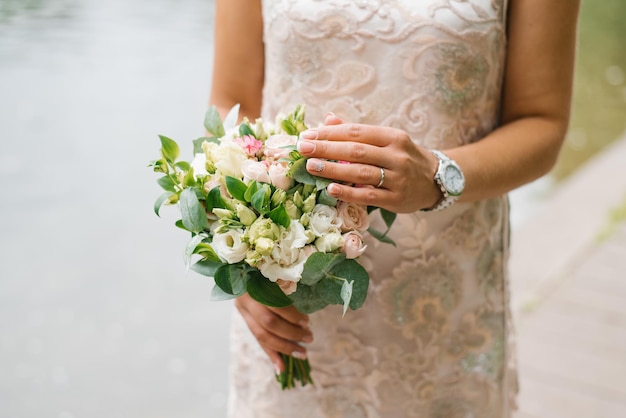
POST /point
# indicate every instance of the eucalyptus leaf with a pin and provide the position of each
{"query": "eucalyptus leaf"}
(353, 271)
(307, 299)
(194, 215)
(236, 188)
(330, 290)
(213, 122)
(279, 216)
(321, 183)
(388, 216)
(380, 236)
(231, 278)
(169, 149)
(207, 267)
(266, 292)
(218, 295)
(191, 246)
(230, 121)
(167, 183)
(318, 265)
(299, 173)
(325, 199)
(346, 294)
(160, 200)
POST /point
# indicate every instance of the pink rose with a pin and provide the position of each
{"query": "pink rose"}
(288, 287)
(353, 245)
(250, 144)
(275, 143)
(354, 216)
(278, 176)
(254, 170)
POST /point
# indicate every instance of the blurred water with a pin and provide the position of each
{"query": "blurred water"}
(97, 315)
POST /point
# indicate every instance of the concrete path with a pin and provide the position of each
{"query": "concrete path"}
(569, 295)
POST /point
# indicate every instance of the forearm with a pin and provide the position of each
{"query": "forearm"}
(511, 156)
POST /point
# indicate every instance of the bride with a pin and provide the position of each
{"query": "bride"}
(441, 107)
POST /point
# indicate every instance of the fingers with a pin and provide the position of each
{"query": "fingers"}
(355, 132)
(362, 174)
(368, 196)
(345, 151)
(278, 330)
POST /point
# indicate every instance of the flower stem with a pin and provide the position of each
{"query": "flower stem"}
(296, 370)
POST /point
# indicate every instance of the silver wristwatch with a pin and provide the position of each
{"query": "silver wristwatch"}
(450, 180)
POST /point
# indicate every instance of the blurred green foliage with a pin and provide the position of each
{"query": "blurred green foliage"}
(599, 102)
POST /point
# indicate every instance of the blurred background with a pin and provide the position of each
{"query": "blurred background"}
(97, 317)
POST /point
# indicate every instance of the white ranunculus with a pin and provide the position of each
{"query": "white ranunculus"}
(254, 170)
(323, 219)
(229, 246)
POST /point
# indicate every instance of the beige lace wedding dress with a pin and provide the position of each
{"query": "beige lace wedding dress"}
(433, 338)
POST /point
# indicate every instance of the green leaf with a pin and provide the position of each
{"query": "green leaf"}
(179, 224)
(245, 129)
(299, 173)
(207, 267)
(253, 187)
(169, 149)
(330, 290)
(318, 265)
(322, 183)
(218, 295)
(194, 215)
(307, 299)
(183, 165)
(236, 188)
(353, 271)
(160, 200)
(191, 246)
(325, 199)
(261, 200)
(206, 252)
(279, 216)
(213, 122)
(167, 183)
(230, 121)
(266, 292)
(231, 278)
(389, 217)
(214, 200)
(190, 179)
(346, 294)
(380, 236)
(197, 143)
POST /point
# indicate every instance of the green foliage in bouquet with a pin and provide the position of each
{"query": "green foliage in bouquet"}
(253, 218)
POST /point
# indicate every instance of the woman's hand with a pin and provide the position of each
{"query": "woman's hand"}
(278, 330)
(409, 169)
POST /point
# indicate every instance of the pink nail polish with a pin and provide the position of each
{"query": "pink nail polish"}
(276, 368)
(308, 134)
(299, 355)
(306, 146)
(307, 339)
(315, 165)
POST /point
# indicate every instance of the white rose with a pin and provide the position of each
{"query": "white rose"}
(323, 219)
(329, 242)
(254, 170)
(278, 175)
(229, 246)
(275, 143)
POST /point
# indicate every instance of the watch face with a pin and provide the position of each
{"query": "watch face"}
(453, 180)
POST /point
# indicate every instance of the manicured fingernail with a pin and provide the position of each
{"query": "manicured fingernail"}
(304, 323)
(308, 134)
(315, 165)
(333, 190)
(307, 339)
(299, 355)
(277, 368)
(306, 147)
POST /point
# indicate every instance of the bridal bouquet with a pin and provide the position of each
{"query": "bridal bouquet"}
(261, 224)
